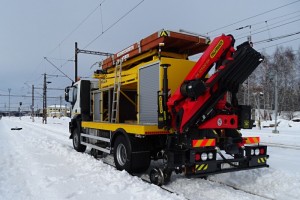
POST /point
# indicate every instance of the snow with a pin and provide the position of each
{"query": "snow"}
(39, 162)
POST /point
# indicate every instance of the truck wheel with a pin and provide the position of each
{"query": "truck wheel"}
(122, 154)
(130, 156)
(76, 141)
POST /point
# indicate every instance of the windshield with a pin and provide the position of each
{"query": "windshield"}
(74, 94)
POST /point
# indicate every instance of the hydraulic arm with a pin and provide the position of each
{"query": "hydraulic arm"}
(202, 102)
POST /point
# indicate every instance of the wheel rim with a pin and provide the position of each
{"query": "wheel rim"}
(121, 154)
(75, 140)
(157, 176)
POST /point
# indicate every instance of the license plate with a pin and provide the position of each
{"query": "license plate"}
(227, 166)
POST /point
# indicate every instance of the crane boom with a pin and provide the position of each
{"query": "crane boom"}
(201, 101)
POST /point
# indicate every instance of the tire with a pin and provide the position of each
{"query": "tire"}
(122, 154)
(76, 141)
(125, 159)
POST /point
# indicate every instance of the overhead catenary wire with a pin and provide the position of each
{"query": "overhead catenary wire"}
(77, 27)
(111, 26)
(101, 17)
(274, 18)
(116, 22)
(279, 44)
(103, 31)
(58, 69)
(254, 33)
(271, 26)
(68, 36)
(26, 96)
(276, 38)
(253, 16)
(260, 22)
(60, 59)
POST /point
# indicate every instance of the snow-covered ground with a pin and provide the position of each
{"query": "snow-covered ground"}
(38, 162)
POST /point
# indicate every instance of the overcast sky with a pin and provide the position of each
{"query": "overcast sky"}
(34, 29)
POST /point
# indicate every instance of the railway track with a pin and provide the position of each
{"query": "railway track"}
(285, 146)
(239, 189)
(109, 161)
(144, 177)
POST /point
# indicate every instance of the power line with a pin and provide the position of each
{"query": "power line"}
(77, 27)
(112, 25)
(277, 38)
(49, 88)
(122, 17)
(60, 59)
(101, 17)
(270, 28)
(261, 22)
(73, 31)
(279, 43)
(57, 68)
(253, 16)
(26, 96)
(277, 18)
(52, 75)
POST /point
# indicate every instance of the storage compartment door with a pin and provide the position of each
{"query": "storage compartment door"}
(96, 109)
(148, 87)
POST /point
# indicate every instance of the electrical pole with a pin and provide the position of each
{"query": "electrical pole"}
(60, 112)
(32, 105)
(248, 92)
(76, 63)
(20, 111)
(276, 102)
(259, 120)
(66, 111)
(45, 100)
(248, 86)
(77, 51)
(9, 89)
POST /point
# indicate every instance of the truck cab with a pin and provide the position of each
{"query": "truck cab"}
(77, 93)
(79, 96)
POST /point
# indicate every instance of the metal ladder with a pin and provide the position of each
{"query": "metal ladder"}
(116, 93)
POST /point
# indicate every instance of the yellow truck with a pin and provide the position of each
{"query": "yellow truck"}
(150, 102)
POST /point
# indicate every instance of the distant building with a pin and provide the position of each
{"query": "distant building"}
(57, 111)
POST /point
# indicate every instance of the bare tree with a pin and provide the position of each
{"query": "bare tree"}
(286, 64)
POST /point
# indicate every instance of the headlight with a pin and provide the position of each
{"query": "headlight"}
(256, 152)
(252, 152)
(210, 155)
(204, 156)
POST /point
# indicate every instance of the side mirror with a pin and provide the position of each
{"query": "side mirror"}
(71, 94)
(67, 89)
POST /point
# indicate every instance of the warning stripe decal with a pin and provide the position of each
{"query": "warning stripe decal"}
(251, 140)
(204, 143)
(262, 160)
(201, 167)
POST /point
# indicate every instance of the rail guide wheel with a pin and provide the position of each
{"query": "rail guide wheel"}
(159, 176)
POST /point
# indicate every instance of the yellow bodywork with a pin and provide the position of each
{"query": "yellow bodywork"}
(129, 128)
(176, 72)
(179, 68)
